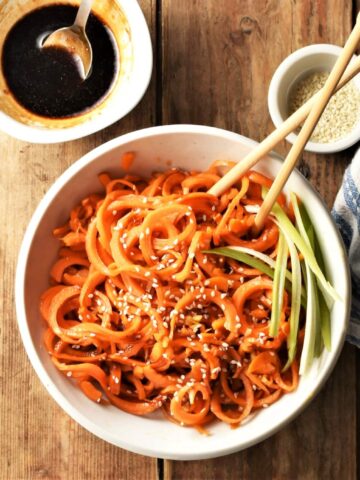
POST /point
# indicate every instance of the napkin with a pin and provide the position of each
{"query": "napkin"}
(346, 213)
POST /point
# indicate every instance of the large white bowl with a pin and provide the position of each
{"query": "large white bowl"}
(189, 147)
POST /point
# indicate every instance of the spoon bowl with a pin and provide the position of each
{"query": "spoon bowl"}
(74, 40)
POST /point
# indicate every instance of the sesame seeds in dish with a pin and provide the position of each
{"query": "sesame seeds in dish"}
(342, 113)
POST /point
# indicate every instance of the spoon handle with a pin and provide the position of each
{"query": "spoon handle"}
(83, 13)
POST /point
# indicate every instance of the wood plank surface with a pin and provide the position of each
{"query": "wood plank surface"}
(38, 440)
(213, 64)
(217, 65)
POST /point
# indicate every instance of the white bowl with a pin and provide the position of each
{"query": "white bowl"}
(132, 36)
(313, 58)
(189, 147)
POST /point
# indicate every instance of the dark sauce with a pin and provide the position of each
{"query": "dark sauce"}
(47, 81)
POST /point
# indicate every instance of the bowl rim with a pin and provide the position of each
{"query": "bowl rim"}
(274, 87)
(29, 346)
(139, 82)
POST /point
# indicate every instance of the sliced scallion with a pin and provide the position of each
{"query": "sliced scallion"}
(279, 285)
(324, 312)
(295, 301)
(307, 353)
(308, 350)
(305, 248)
(322, 305)
(253, 259)
(258, 260)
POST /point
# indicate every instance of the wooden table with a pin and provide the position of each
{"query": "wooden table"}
(213, 64)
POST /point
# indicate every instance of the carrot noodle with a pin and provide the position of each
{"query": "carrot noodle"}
(127, 160)
(138, 316)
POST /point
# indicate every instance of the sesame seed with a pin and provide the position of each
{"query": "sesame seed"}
(215, 370)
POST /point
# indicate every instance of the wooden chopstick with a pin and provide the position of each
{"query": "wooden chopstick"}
(309, 125)
(275, 137)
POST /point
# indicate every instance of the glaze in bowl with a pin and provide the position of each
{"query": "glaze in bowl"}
(126, 21)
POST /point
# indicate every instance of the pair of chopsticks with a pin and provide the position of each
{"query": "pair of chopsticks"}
(311, 112)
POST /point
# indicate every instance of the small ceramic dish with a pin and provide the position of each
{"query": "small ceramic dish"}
(131, 34)
(187, 147)
(298, 65)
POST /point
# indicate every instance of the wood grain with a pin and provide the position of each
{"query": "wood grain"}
(213, 67)
(217, 65)
(38, 440)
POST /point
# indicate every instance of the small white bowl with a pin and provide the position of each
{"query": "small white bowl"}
(188, 147)
(131, 33)
(313, 58)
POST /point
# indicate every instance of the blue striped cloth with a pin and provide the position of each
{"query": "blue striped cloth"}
(346, 213)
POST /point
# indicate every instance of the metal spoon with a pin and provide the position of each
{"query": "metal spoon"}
(74, 39)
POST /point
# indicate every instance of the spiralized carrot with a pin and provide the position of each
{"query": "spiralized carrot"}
(127, 160)
(137, 314)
